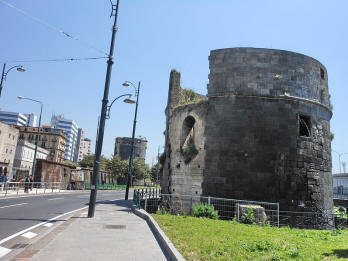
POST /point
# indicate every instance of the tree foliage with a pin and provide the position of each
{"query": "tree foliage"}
(156, 169)
(117, 167)
(88, 162)
(140, 169)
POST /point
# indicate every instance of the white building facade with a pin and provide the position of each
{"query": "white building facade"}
(24, 158)
(71, 130)
(19, 119)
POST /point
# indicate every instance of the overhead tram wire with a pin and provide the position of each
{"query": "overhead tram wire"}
(56, 60)
(53, 27)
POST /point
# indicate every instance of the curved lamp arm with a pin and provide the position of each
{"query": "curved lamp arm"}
(109, 106)
(19, 68)
(128, 83)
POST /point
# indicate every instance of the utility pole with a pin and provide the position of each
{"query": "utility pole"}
(130, 167)
(98, 150)
(158, 156)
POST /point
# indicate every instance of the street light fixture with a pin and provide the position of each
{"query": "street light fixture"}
(339, 158)
(4, 74)
(130, 166)
(38, 132)
(98, 149)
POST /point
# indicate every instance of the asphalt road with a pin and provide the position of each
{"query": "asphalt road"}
(17, 214)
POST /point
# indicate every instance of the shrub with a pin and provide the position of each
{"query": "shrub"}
(248, 217)
(206, 211)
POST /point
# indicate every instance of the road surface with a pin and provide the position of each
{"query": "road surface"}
(17, 214)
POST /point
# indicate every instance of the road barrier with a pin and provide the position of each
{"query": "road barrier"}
(8, 189)
(106, 187)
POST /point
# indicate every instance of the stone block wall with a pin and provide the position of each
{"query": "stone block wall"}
(263, 133)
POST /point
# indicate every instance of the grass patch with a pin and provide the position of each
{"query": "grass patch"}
(207, 239)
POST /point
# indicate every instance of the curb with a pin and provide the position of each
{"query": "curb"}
(169, 247)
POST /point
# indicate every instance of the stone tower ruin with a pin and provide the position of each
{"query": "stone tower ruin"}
(261, 133)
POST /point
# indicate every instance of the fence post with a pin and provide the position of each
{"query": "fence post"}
(146, 204)
(278, 214)
(237, 211)
(45, 187)
(209, 200)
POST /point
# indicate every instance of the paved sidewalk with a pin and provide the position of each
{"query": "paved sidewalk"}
(115, 233)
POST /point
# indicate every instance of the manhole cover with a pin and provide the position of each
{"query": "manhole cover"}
(115, 226)
(18, 246)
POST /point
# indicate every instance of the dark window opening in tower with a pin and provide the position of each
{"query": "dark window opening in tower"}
(304, 126)
(187, 147)
(322, 74)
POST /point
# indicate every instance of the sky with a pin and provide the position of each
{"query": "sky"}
(153, 37)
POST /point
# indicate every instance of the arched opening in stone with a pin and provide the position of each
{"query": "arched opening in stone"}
(187, 146)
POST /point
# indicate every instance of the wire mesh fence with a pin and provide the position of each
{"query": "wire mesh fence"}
(153, 201)
(340, 196)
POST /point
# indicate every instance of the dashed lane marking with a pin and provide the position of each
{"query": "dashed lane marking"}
(54, 198)
(35, 226)
(29, 235)
(14, 205)
(4, 251)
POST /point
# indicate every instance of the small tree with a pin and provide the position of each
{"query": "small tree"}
(204, 210)
(140, 169)
(117, 167)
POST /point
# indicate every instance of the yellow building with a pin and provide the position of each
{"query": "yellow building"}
(50, 138)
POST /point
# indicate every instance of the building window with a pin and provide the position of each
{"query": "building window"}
(304, 126)
(322, 74)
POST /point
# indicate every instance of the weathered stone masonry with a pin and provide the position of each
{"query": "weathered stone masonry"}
(261, 133)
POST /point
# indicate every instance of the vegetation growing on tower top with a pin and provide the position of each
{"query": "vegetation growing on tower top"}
(188, 96)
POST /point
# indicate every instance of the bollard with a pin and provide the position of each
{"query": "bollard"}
(6, 189)
(146, 204)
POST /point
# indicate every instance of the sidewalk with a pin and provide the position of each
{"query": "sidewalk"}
(115, 233)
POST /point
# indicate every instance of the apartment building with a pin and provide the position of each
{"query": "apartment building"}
(71, 130)
(19, 119)
(54, 140)
(8, 143)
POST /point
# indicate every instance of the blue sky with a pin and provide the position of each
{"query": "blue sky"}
(155, 36)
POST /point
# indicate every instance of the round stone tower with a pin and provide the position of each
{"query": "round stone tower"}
(262, 133)
(267, 134)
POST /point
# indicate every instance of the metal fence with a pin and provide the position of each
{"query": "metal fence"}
(24, 188)
(153, 201)
(313, 220)
(340, 196)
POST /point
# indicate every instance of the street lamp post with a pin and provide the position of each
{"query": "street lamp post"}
(130, 166)
(339, 158)
(105, 101)
(38, 132)
(4, 74)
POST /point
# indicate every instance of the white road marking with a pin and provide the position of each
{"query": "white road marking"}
(37, 225)
(29, 235)
(14, 205)
(48, 225)
(4, 251)
(54, 198)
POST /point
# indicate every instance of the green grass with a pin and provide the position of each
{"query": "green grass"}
(206, 239)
